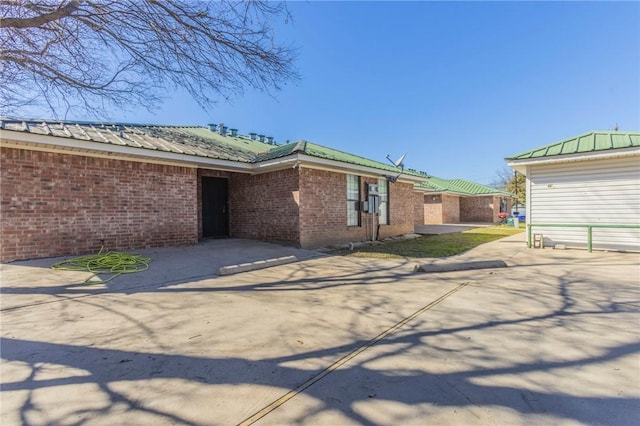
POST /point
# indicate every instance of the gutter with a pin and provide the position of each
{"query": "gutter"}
(521, 164)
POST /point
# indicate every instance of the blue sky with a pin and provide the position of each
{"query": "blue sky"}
(456, 85)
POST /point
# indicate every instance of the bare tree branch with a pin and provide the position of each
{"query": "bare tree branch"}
(90, 56)
(39, 20)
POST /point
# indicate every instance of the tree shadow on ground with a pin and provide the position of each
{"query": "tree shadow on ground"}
(105, 368)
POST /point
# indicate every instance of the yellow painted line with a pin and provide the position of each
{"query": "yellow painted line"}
(339, 363)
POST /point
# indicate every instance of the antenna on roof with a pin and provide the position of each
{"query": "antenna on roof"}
(399, 163)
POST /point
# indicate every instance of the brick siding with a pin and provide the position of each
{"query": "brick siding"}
(265, 206)
(56, 204)
(401, 196)
(432, 209)
(480, 209)
(451, 208)
(441, 208)
(418, 208)
(62, 204)
(323, 209)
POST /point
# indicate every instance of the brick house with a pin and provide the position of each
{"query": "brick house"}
(70, 187)
(459, 201)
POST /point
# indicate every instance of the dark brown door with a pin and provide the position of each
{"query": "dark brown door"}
(215, 214)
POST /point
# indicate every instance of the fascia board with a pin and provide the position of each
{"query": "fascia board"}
(520, 165)
(434, 192)
(275, 164)
(15, 139)
(333, 165)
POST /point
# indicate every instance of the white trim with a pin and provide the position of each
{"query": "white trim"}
(519, 165)
(311, 162)
(333, 165)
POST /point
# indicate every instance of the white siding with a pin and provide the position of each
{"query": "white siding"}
(587, 192)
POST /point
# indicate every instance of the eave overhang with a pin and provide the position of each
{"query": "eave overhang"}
(22, 140)
(311, 162)
(521, 165)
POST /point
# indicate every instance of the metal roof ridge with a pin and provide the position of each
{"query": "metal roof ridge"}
(589, 144)
(40, 121)
(301, 146)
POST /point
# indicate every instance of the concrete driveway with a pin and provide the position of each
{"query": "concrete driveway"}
(552, 339)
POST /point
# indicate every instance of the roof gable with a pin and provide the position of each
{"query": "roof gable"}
(475, 188)
(460, 187)
(596, 141)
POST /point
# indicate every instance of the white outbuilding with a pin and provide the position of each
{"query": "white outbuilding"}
(584, 192)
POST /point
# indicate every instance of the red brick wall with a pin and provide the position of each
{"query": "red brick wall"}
(56, 204)
(441, 208)
(265, 206)
(401, 200)
(480, 209)
(418, 208)
(451, 208)
(323, 209)
(432, 209)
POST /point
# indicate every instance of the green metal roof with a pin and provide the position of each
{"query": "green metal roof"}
(314, 150)
(596, 141)
(460, 187)
(435, 184)
(198, 141)
(280, 151)
(241, 142)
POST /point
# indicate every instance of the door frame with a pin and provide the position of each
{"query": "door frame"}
(201, 205)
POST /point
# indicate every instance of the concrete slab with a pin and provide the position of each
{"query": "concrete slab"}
(553, 339)
(258, 264)
(32, 282)
(460, 266)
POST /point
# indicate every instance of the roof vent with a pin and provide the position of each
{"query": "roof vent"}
(253, 136)
(234, 132)
(261, 138)
(212, 127)
(270, 140)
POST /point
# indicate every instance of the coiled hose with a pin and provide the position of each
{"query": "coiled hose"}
(114, 263)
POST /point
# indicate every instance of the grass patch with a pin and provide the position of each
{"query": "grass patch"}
(436, 245)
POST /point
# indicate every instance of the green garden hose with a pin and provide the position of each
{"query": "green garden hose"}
(112, 262)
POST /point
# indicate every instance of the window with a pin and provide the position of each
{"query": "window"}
(353, 200)
(383, 190)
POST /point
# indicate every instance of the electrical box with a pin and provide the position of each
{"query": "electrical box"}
(374, 204)
(372, 189)
(365, 206)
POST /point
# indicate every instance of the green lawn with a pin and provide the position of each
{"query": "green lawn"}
(436, 245)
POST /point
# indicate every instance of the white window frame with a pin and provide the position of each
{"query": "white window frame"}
(353, 200)
(383, 191)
